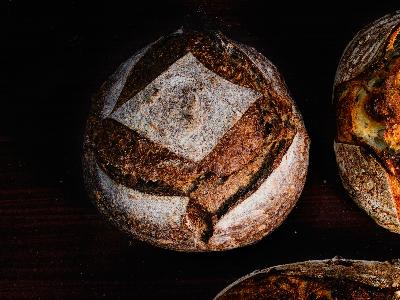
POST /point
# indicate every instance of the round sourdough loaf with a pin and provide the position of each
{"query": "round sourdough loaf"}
(367, 99)
(323, 279)
(194, 144)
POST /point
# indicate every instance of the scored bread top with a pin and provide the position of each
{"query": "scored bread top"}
(195, 117)
(199, 123)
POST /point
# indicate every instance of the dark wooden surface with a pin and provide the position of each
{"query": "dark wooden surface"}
(53, 242)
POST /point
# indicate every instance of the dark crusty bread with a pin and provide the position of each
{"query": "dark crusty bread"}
(194, 144)
(325, 279)
(367, 99)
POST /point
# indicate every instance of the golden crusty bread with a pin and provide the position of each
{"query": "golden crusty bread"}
(323, 279)
(194, 144)
(367, 99)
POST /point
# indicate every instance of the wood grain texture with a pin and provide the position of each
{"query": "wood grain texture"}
(54, 244)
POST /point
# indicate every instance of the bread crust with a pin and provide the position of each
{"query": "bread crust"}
(369, 184)
(172, 217)
(382, 276)
(364, 47)
(364, 174)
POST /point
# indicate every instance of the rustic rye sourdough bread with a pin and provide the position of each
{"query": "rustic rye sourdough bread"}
(194, 144)
(324, 280)
(367, 99)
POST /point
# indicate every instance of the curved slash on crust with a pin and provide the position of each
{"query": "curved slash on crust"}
(369, 184)
(363, 48)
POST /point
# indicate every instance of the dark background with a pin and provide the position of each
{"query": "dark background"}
(53, 242)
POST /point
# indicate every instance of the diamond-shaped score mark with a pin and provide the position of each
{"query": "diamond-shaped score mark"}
(186, 109)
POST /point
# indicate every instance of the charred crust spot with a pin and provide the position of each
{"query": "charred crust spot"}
(156, 188)
(222, 179)
(377, 108)
(203, 177)
(208, 232)
(268, 128)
